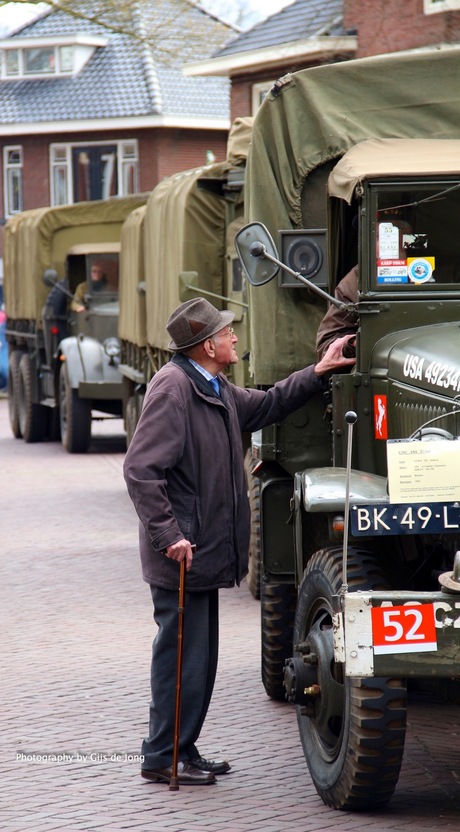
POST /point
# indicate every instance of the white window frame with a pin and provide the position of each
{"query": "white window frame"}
(7, 169)
(258, 91)
(82, 46)
(436, 6)
(127, 155)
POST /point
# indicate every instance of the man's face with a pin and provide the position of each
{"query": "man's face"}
(96, 274)
(225, 342)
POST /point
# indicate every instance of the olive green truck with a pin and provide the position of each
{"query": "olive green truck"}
(358, 164)
(63, 361)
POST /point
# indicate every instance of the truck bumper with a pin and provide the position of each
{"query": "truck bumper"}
(100, 390)
(401, 634)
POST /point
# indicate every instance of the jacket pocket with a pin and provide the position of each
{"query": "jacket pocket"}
(187, 513)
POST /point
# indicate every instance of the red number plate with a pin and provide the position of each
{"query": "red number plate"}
(407, 629)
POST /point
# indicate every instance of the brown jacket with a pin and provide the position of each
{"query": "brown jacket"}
(335, 322)
(184, 469)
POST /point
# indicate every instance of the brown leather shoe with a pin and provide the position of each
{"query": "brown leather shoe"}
(187, 775)
(214, 766)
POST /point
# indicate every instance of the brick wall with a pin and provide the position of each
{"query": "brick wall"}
(392, 25)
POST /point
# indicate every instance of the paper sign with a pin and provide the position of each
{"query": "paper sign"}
(406, 629)
(423, 472)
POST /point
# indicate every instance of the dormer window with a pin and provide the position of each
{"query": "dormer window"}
(37, 58)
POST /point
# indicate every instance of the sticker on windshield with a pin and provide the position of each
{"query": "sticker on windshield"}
(391, 271)
(420, 269)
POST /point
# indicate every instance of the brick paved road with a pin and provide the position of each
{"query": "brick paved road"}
(74, 674)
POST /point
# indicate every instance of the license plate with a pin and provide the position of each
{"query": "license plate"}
(429, 518)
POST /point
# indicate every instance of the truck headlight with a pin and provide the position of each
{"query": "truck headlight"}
(112, 347)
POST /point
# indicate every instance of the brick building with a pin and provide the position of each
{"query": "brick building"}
(87, 113)
(311, 32)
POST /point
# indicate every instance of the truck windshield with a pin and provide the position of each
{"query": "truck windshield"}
(103, 275)
(416, 236)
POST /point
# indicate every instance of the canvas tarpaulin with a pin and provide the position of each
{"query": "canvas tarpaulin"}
(131, 321)
(185, 231)
(313, 118)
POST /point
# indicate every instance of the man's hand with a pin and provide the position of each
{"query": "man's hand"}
(334, 356)
(180, 550)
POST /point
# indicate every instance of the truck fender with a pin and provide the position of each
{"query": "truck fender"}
(319, 492)
(87, 361)
(324, 489)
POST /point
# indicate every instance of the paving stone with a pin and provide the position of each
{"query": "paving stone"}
(75, 680)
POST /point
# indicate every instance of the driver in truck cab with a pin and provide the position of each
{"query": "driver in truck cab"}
(103, 278)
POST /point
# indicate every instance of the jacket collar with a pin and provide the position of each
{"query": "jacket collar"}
(198, 378)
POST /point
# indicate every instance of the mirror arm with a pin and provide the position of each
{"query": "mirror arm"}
(344, 307)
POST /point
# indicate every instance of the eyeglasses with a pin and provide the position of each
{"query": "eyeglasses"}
(227, 331)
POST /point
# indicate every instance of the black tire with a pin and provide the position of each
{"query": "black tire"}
(353, 737)
(13, 392)
(278, 604)
(253, 484)
(32, 417)
(131, 419)
(75, 416)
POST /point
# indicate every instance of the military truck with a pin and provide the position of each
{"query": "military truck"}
(63, 356)
(179, 246)
(355, 603)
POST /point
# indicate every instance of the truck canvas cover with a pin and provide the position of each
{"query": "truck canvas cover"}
(131, 321)
(309, 120)
(185, 231)
(392, 157)
(41, 238)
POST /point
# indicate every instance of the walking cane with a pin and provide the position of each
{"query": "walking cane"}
(174, 782)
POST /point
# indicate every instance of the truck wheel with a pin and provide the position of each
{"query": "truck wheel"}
(32, 417)
(13, 392)
(253, 484)
(278, 603)
(131, 419)
(75, 416)
(353, 735)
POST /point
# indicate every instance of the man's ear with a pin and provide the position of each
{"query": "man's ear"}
(209, 347)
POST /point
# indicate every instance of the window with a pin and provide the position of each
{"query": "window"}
(12, 169)
(416, 243)
(36, 58)
(433, 6)
(82, 172)
(39, 61)
(129, 168)
(259, 91)
(12, 62)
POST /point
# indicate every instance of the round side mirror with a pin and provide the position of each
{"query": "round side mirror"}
(50, 277)
(253, 243)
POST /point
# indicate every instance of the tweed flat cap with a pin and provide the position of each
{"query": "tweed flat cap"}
(194, 321)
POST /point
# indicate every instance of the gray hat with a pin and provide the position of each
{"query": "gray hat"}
(194, 321)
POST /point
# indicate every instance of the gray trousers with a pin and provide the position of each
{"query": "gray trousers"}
(199, 666)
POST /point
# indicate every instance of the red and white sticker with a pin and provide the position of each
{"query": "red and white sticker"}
(407, 629)
(380, 417)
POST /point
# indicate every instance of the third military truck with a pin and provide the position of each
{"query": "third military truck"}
(358, 165)
(61, 299)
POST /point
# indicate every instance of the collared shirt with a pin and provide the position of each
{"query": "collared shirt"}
(201, 369)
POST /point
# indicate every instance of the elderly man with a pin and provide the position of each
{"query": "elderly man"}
(184, 473)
